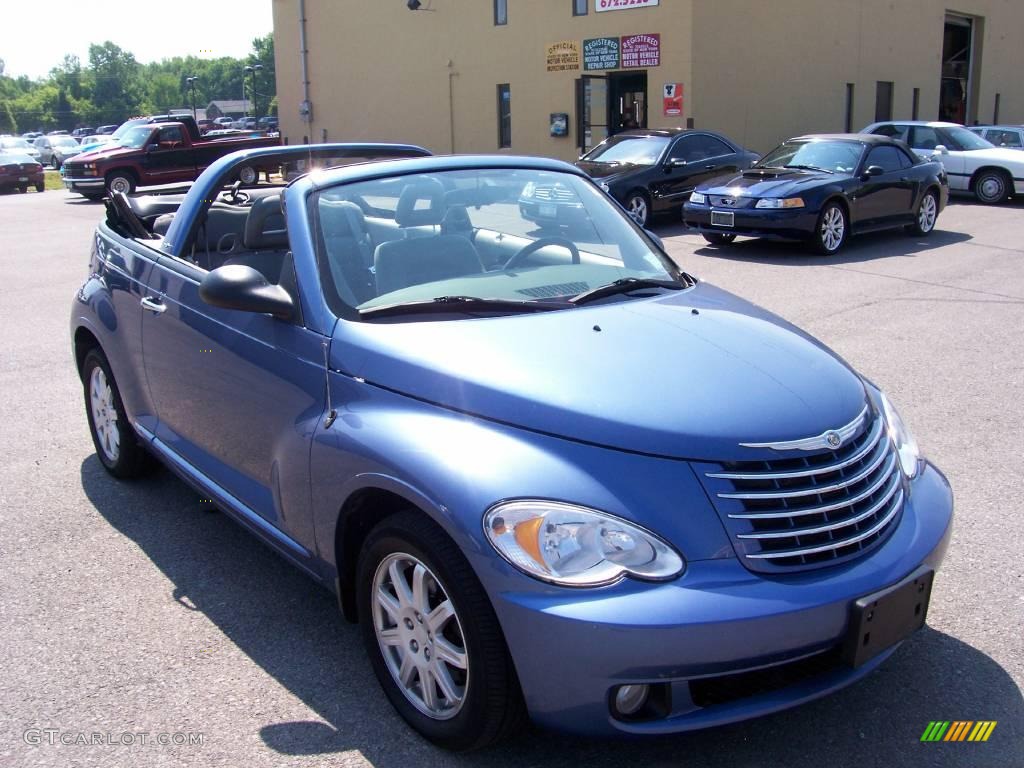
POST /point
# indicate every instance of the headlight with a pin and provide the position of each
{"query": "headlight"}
(698, 197)
(906, 445)
(575, 546)
(780, 202)
(528, 189)
(605, 187)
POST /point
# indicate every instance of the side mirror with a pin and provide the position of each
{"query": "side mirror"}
(151, 147)
(941, 149)
(236, 286)
(872, 170)
(675, 162)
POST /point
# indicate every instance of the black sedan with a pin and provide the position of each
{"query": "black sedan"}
(653, 171)
(822, 189)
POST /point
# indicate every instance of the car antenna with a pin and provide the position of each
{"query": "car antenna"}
(332, 414)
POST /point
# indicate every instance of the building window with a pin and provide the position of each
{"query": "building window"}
(579, 7)
(500, 12)
(504, 116)
(849, 107)
(883, 100)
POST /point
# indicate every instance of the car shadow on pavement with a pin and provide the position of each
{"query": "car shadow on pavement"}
(863, 248)
(292, 629)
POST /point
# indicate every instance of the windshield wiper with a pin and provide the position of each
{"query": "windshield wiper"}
(623, 285)
(810, 168)
(460, 304)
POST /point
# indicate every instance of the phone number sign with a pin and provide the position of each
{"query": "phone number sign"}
(623, 5)
(641, 51)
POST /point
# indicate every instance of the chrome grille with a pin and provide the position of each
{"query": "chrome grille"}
(556, 193)
(812, 509)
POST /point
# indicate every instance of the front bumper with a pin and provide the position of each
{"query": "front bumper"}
(792, 224)
(571, 647)
(84, 184)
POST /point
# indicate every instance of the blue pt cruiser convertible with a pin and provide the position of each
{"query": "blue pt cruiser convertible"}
(548, 472)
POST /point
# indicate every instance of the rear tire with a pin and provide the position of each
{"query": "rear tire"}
(718, 238)
(23, 190)
(488, 704)
(118, 447)
(992, 186)
(831, 231)
(926, 216)
(40, 187)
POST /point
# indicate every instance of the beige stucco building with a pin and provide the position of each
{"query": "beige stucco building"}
(549, 77)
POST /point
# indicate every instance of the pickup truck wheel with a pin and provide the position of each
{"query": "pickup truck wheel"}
(120, 182)
(117, 445)
(247, 175)
(432, 636)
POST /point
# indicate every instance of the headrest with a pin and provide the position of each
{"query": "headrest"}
(341, 218)
(410, 213)
(456, 219)
(265, 226)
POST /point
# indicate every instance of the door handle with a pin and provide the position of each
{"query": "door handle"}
(709, 167)
(153, 305)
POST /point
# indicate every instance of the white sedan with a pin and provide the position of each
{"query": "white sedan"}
(973, 164)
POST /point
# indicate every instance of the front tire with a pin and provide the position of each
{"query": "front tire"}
(927, 215)
(718, 238)
(119, 181)
(992, 186)
(831, 231)
(117, 445)
(639, 207)
(433, 638)
(55, 162)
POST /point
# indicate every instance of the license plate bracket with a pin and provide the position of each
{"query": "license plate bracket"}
(548, 211)
(884, 618)
(723, 219)
(23, 178)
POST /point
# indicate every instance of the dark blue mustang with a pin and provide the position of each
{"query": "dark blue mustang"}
(552, 476)
(823, 189)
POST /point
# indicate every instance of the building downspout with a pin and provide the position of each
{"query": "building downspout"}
(451, 104)
(306, 107)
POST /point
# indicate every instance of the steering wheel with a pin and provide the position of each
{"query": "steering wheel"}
(237, 197)
(544, 242)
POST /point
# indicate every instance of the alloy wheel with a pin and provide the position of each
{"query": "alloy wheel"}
(926, 216)
(104, 414)
(637, 206)
(833, 228)
(420, 636)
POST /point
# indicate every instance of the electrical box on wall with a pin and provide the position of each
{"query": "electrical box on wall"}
(306, 111)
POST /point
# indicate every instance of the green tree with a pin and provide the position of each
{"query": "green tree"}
(7, 122)
(116, 86)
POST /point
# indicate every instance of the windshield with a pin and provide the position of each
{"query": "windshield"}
(641, 150)
(127, 126)
(63, 141)
(15, 144)
(135, 138)
(503, 235)
(968, 140)
(831, 156)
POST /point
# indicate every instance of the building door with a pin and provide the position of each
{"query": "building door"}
(955, 90)
(627, 100)
(591, 112)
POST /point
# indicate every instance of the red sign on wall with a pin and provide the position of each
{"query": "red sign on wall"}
(672, 99)
(641, 51)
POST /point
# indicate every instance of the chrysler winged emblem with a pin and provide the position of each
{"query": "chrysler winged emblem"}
(830, 439)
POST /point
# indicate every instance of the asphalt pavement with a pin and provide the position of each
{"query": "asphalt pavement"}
(131, 615)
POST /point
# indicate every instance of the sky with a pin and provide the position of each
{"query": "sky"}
(35, 36)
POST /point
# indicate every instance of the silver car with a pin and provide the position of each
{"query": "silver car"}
(1009, 136)
(54, 150)
(18, 146)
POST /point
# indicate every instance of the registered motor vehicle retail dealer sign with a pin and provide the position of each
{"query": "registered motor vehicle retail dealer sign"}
(623, 5)
(601, 53)
(641, 51)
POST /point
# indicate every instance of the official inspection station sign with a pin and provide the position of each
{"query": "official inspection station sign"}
(563, 56)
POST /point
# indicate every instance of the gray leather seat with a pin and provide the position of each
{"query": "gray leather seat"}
(421, 208)
(265, 239)
(402, 263)
(349, 249)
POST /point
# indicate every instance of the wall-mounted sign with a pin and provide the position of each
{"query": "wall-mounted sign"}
(623, 5)
(601, 53)
(559, 123)
(641, 51)
(672, 99)
(563, 55)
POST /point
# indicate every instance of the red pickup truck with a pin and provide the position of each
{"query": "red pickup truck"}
(155, 153)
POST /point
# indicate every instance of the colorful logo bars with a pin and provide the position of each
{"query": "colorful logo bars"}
(958, 730)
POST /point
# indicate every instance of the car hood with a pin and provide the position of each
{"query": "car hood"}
(766, 183)
(607, 170)
(106, 152)
(688, 374)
